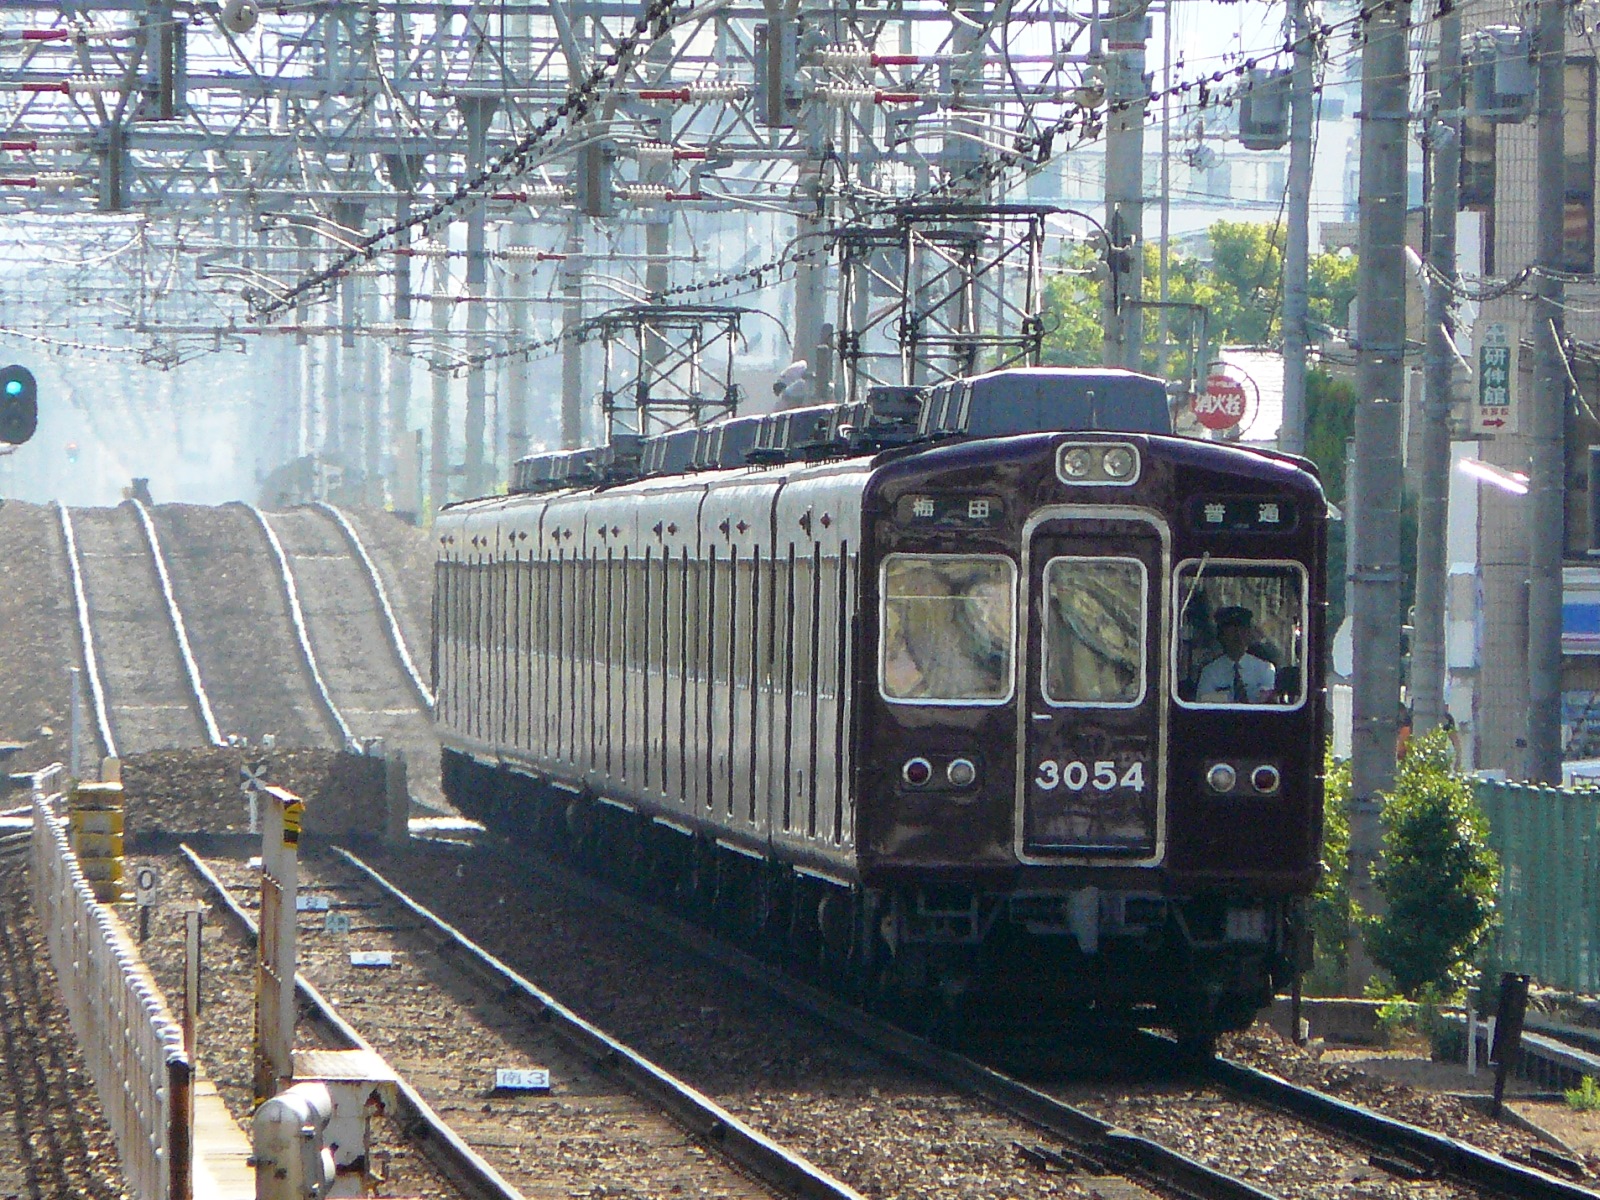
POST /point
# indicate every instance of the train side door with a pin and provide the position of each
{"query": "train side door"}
(1091, 783)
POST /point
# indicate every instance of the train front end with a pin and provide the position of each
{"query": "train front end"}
(1092, 741)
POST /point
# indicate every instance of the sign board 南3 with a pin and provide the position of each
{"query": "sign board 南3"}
(1494, 408)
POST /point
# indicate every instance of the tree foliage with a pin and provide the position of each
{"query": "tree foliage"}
(1438, 874)
(1328, 912)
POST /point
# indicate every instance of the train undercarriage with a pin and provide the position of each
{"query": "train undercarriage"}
(947, 959)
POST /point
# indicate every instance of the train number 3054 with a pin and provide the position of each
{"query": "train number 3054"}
(1078, 776)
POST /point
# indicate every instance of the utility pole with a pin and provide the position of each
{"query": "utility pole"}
(1381, 343)
(1433, 471)
(439, 306)
(1546, 507)
(518, 270)
(477, 112)
(1126, 92)
(571, 346)
(1165, 259)
(1297, 246)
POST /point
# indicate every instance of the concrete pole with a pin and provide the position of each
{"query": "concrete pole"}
(1297, 246)
(572, 348)
(1546, 506)
(811, 275)
(1380, 336)
(1125, 86)
(346, 419)
(477, 111)
(1165, 260)
(398, 436)
(518, 274)
(439, 433)
(1433, 466)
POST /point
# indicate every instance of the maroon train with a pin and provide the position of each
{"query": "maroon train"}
(995, 723)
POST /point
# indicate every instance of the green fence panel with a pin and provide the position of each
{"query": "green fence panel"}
(1548, 840)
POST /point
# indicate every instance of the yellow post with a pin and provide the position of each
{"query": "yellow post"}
(282, 815)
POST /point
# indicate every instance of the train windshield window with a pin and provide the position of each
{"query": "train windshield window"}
(1240, 634)
(1094, 631)
(947, 628)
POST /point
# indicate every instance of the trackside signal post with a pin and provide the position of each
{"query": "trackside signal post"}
(282, 815)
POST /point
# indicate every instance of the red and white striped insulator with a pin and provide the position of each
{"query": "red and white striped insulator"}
(654, 193)
(845, 58)
(530, 254)
(695, 93)
(833, 93)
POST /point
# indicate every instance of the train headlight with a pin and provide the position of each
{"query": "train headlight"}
(961, 772)
(917, 772)
(1077, 462)
(1119, 463)
(1265, 779)
(1222, 777)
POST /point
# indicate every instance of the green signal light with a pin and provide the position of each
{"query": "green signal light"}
(13, 387)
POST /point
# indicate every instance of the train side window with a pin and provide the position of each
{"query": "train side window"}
(744, 644)
(804, 619)
(947, 628)
(1239, 639)
(1094, 631)
(828, 628)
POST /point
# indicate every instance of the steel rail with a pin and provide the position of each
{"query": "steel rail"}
(1114, 1150)
(302, 631)
(1453, 1159)
(91, 664)
(707, 1120)
(397, 638)
(180, 631)
(442, 1144)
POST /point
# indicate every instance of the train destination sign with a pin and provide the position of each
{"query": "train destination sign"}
(950, 512)
(1242, 514)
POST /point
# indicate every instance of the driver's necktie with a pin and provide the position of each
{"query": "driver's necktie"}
(1239, 694)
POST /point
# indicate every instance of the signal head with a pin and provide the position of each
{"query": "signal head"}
(19, 404)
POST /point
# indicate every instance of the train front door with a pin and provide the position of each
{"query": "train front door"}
(1092, 780)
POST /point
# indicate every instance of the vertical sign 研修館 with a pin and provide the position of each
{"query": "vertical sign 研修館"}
(1494, 408)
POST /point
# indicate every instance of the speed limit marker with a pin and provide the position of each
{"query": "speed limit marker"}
(146, 879)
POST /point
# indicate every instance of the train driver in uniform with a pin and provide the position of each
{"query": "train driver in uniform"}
(1236, 676)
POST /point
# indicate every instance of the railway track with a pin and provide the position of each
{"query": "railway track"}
(146, 691)
(351, 638)
(1082, 1155)
(1290, 1140)
(223, 577)
(609, 1105)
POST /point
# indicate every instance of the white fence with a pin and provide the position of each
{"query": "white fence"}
(131, 1044)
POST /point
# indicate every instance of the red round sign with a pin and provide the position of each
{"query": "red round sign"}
(1221, 405)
